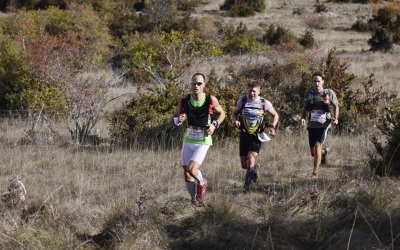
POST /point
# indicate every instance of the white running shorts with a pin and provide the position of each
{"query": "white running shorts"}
(193, 152)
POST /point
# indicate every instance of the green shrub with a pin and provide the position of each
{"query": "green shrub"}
(307, 40)
(187, 4)
(237, 41)
(381, 39)
(20, 88)
(384, 27)
(14, 74)
(320, 7)
(243, 8)
(298, 11)
(149, 112)
(165, 56)
(287, 81)
(360, 25)
(387, 162)
(278, 35)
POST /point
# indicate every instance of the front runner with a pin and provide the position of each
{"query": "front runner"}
(197, 108)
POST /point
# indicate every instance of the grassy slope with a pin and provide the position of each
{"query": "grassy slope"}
(87, 198)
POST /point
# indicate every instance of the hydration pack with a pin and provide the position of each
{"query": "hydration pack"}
(310, 98)
(261, 124)
(197, 116)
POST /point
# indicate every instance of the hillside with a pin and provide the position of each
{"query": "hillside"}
(352, 46)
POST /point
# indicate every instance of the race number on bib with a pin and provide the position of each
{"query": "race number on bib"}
(318, 116)
(194, 132)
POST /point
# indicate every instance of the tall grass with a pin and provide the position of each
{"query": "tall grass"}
(87, 197)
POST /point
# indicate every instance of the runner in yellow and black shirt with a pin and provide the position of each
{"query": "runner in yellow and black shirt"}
(248, 116)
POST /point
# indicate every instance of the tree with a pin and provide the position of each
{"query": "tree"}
(88, 97)
(60, 54)
(165, 56)
(161, 12)
(161, 60)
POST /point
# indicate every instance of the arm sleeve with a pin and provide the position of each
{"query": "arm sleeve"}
(239, 104)
(269, 106)
(333, 98)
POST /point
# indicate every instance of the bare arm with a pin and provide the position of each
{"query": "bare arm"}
(336, 117)
(303, 116)
(217, 108)
(275, 119)
(235, 118)
(177, 114)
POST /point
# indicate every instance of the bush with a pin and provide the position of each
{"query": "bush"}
(14, 75)
(320, 7)
(317, 21)
(287, 81)
(237, 41)
(149, 111)
(278, 35)
(360, 25)
(381, 39)
(243, 8)
(20, 88)
(307, 40)
(387, 162)
(187, 4)
(384, 27)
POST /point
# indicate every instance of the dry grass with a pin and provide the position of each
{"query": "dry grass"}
(87, 198)
(352, 46)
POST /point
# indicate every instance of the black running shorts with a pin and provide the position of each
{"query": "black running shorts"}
(249, 143)
(317, 135)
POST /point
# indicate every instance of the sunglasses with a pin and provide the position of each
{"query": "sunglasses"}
(197, 83)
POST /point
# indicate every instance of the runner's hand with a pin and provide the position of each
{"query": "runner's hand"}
(236, 124)
(182, 117)
(210, 129)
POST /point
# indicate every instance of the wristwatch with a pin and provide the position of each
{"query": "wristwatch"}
(215, 123)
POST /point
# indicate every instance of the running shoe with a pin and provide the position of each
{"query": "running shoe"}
(246, 188)
(201, 190)
(247, 180)
(314, 176)
(255, 175)
(196, 203)
(324, 159)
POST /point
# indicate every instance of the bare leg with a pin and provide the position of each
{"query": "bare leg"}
(192, 171)
(316, 152)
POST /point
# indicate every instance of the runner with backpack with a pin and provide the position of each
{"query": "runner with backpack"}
(249, 117)
(197, 109)
(318, 102)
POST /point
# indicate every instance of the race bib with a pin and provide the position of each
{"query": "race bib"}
(318, 116)
(194, 132)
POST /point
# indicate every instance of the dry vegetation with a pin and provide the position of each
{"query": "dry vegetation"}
(351, 45)
(88, 197)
